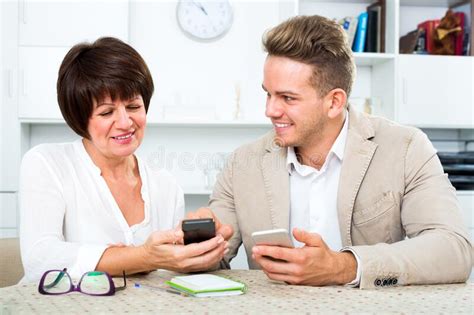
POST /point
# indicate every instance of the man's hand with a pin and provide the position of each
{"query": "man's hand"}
(223, 229)
(313, 264)
(163, 250)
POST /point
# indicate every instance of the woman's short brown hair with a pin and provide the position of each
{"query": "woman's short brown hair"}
(316, 41)
(91, 72)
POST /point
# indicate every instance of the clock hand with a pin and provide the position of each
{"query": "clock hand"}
(199, 6)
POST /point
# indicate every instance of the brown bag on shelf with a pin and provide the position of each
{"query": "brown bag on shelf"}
(444, 36)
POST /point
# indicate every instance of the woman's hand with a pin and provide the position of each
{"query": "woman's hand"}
(164, 250)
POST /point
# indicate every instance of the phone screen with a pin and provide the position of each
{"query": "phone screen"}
(277, 237)
(198, 230)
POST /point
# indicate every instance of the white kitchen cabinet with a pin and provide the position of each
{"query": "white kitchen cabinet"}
(10, 153)
(38, 75)
(436, 91)
(420, 90)
(65, 23)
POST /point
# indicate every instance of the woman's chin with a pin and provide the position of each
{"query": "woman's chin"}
(123, 151)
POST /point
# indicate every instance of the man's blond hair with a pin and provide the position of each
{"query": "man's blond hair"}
(319, 42)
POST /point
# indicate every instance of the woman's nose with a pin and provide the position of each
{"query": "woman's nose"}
(123, 119)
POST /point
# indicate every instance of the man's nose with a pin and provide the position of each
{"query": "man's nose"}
(273, 108)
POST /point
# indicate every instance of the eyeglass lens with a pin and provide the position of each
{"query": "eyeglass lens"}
(57, 282)
(95, 282)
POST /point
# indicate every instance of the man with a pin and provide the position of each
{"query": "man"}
(365, 198)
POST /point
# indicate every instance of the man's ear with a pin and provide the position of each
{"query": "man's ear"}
(336, 100)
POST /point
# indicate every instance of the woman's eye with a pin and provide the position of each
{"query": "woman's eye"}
(134, 107)
(105, 113)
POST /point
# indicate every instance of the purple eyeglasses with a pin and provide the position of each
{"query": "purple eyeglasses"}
(97, 283)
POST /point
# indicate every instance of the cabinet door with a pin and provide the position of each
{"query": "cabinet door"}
(64, 23)
(436, 91)
(10, 152)
(38, 75)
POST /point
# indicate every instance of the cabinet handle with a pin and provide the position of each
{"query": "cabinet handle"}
(23, 12)
(10, 83)
(404, 90)
(23, 83)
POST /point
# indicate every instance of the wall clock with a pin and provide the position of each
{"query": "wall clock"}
(204, 20)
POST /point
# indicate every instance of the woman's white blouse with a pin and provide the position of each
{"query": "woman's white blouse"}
(68, 216)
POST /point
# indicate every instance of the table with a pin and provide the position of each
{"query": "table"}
(263, 297)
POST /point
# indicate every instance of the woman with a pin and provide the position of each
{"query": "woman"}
(92, 204)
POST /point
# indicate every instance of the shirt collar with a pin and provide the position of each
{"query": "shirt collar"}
(337, 149)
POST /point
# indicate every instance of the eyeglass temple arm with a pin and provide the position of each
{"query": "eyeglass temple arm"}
(124, 283)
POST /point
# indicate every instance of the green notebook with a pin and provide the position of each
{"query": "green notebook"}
(206, 285)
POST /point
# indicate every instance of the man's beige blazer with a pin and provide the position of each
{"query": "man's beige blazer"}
(397, 210)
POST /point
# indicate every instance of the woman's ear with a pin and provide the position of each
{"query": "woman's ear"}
(336, 99)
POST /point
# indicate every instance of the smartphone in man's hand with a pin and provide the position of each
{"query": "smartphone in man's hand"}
(277, 237)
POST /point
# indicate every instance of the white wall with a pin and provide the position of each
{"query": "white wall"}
(411, 16)
(189, 73)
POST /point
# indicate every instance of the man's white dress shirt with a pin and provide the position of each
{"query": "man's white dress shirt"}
(68, 216)
(313, 194)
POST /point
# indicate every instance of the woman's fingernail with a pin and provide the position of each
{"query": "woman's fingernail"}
(220, 239)
(226, 251)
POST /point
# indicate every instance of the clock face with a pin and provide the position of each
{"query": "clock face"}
(204, 20)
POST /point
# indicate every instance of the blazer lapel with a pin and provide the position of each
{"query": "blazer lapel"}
(277, 185)
(358, 153)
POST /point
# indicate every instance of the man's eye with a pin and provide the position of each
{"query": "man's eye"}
(289, 98)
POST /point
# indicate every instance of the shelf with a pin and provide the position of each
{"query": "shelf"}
(190, 123)
(465, 192)
(340, 1)
(430, 3)
(204, 192)
(429, 126)
(197, 191)
(371, 59)
(211, 123)
(40, 121)
(220, 124)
